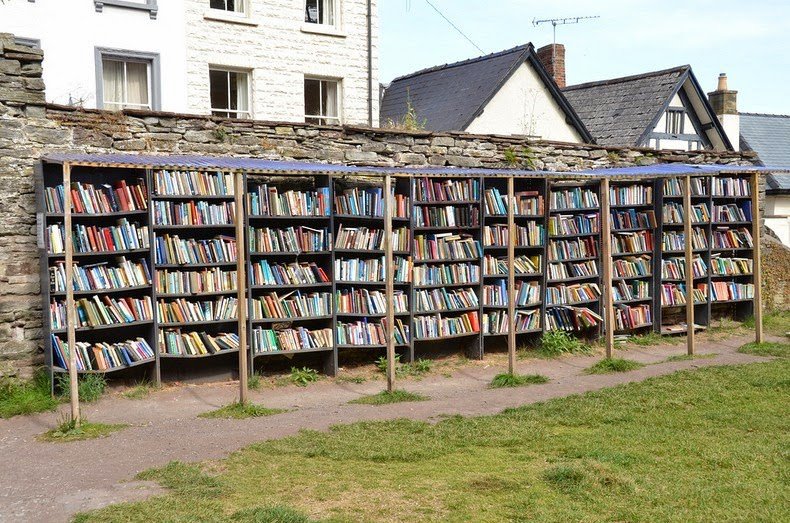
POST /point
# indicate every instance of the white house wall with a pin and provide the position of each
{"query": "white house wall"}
(777, 216)
(523, 105)
(70, 30)
(279, 49)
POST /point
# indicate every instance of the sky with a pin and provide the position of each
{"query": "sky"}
(748, 40)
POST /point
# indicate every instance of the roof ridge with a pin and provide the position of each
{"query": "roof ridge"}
(770, 115)
(468, 61)
(626, 78)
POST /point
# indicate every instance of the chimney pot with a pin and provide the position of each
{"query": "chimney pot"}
(722, 82)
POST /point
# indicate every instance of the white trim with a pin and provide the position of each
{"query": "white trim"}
(321, 29)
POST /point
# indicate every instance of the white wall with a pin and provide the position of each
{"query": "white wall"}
(524, 106)
(69, 31)
(278, 47)
(777, 216)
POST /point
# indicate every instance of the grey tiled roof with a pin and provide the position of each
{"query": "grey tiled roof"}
(449, 96)
(619, 111)
(769, 136)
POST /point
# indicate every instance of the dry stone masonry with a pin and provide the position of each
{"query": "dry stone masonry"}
(30, 128)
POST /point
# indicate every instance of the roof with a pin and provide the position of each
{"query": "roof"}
(769, 136)
(449, 97)
(255, 165)
(618, 111)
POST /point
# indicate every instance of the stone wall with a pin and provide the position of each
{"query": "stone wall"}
(29, 128)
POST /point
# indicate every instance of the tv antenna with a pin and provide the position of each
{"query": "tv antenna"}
(560, 21)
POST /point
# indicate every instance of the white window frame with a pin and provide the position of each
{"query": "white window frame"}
(121, 55)
(327, 120)
(245, 9)
(245, 115)
(335, 15)
(676, 113)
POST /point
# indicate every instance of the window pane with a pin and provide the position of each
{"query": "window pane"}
(218, 4)
(311, 11)
(328, 12)
(112, 80)
(329, 98)
(218, 81)
(312, 97)
(137, 83)
(242, 91)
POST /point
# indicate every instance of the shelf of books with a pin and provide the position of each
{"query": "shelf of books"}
(573, 282)
(446, 218)
(289, 266)
(633, 225)
(112, 277)
(359, 264)
(194, 253)
(529, 211)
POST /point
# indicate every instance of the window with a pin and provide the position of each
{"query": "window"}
(127, 80)
(230, 93)
(234, 6)
(30, 42)
(141, 5)
(675, 118)
(321, 101)
(320, 12)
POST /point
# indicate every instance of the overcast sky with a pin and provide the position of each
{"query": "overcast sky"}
(749, 40)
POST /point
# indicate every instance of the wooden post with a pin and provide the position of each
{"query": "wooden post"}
(757, 262)
(606, 260)
(689, 250)
(74, 391)
(241, 283)
(511, 277)
(389, 263)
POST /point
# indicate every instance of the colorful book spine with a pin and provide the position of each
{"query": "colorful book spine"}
(632, 267)
(101, 276)
(495, 266)
(427, 190)
(291, 239)
(266, 200)
(101, 356)
(172, 250)
(124, 236)
(571, 318)
(446, 274)
(532, 235)
(364, 301)
(102, 311)
(296, 273)
(104, 199)
(438, 326)
(292, 305)
(447, 216)
(295, 339)
(194, 213)
(174, 342)
(576, 198)
(185, 311)
(631, 195)
(193, 183)
(195, 282)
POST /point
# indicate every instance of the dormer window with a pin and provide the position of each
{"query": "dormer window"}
(320, 12)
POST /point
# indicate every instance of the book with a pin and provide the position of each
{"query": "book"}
(527, 293)
(296, 273)
(290, 239)
(631, 195)
(571, 318)
(675, 268)
(532, 235)
(632, 219)
(574, 198)
(629, 317)
(673, 294)
(446, 246)
(563, 250)
(174, 342)
(632, 242)
(631, 290)
(358, 201)
(291, 305)
(724, 238)
(194, 213)
(185, 311)
(571, 225)
(730, 266)
(101, 311)
(575, 293)
(101, 356)
(363, 238)
(446, 274)
(442, 299)
(193, 183)
(438, 326)
(195, 282)
(632, 267)
(101, 276)
(364, 301)
(732, 212)
(123, 236)
(172, 250)
(496, 322)
(730, 187)
(728, 291)
(432, 191)
(674, 241)
(526, 203)
(447, 216)
(290, 339)
(266, 200)
(102, 199)
(523, 264)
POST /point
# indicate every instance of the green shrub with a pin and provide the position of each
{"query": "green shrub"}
(26, 397)
(557, 343)
(303, 376)
(90, 386)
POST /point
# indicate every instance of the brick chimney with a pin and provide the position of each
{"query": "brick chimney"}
(552, 57)
(725, 105)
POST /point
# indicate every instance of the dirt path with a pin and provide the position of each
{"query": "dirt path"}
(51, 482)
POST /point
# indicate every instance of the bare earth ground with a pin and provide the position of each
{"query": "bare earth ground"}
(53, 481)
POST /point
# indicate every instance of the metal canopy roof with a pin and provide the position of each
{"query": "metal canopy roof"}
(256, 165)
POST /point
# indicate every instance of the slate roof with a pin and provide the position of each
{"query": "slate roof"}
(620, 110)
(449, 97)
(769, 136)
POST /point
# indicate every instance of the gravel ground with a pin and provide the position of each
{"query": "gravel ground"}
(50, 482)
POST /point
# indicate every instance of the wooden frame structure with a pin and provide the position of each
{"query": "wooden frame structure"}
(389, 179)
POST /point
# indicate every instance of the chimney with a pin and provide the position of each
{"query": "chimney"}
(725, 105)
(552, 57)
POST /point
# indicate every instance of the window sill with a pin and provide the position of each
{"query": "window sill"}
(222, 16)
(326, 30)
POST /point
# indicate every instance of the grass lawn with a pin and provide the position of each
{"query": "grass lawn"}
(66, 432)
(609, 365)
(385, 397)
(704, 445)
(517, 380)
(238, 410)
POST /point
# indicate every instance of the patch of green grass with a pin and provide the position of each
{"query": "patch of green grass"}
(647, 340)
(517, 380)
(304, 376)
(385, 397)
(558, 343)
(415, 369)
(775, 322)
(140, 391)
(609, 365)
(689, 357)
(254, 381)
(270, 515)
(646, 451)
(68, 431)
(351, 379)
(779, 350)
(238, 410)
(26, 397)
(90, 387)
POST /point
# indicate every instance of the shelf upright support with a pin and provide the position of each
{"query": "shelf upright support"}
(71, 340)
(689, 248)
(241, 282)
(511, 277)
(757, 261)
(606, 260)
(389, 262)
